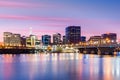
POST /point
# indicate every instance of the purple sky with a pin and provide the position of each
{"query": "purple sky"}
(50, 16)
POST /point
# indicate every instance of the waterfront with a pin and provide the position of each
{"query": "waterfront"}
(62, 66)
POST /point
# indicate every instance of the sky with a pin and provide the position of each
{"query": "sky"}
(52, 16)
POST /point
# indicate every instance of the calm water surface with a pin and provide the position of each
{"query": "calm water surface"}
(59, 67)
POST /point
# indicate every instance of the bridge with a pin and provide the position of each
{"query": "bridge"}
(98, 49)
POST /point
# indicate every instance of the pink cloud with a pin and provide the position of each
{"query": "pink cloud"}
(57, 21)
(15, 4)
(36, 18)
(53, 25)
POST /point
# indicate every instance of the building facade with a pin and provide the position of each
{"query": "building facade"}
(46, 40)
(7, 38)
(32, 41)
(95, 40)
(23, 41)
(64, 40)
(11, 39)
(73, 34)
(110, 37)
(57, 38)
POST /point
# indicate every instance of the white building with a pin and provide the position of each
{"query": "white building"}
(32, 41)
(11, 39)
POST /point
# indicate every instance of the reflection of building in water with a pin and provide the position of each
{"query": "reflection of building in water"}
(107, 68)
(85, 59)
(116, 68)
(100, 68)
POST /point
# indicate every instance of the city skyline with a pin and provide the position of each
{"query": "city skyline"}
(48, 17)
(60, 37)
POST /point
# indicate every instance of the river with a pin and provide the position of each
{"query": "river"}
(62, 66)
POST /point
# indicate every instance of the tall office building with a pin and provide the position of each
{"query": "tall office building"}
(7, 38)
(64, 40)
(73, 34)
(11, 39)
(57, 38)
(23, 41)
(16, 40)
(46, 40)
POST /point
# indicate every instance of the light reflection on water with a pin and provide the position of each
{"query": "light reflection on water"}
(62, 66)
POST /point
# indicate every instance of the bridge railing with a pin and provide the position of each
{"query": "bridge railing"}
(101, 45)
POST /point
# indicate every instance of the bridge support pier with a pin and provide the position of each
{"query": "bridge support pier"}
(88, 50)
(98, 50)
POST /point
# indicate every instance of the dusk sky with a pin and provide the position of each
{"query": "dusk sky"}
(51, 16)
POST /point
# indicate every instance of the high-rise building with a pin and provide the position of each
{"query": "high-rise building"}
(11, 39)
(57, 38)
(16, 40)
(73, 34)
(64, 40)
(7, 38)
(46, 40)
(110, 37)
(23, 41)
